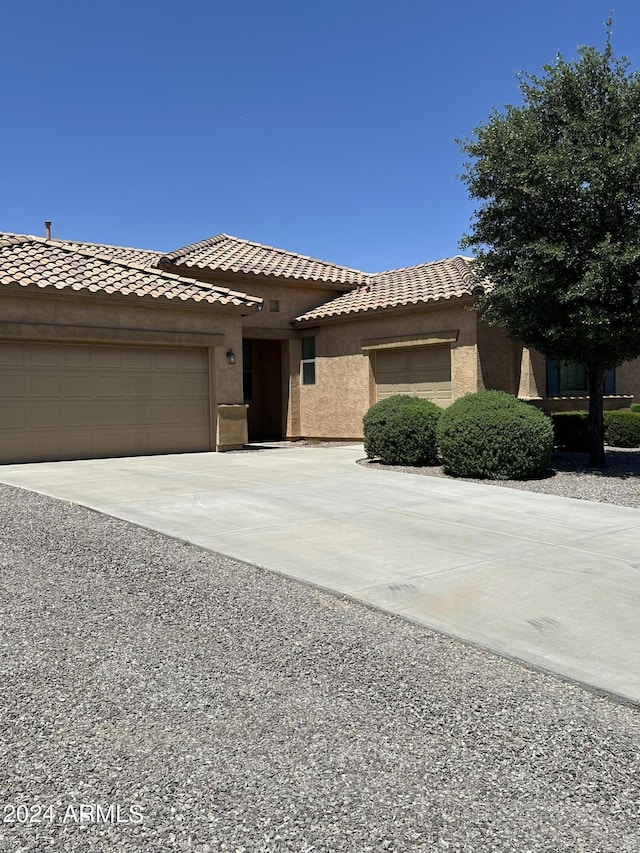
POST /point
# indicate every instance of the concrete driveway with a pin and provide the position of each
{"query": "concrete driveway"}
(551, 581)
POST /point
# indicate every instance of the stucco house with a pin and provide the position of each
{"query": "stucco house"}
(112, 351)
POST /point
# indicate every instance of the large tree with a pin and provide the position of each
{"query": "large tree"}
(557, 232)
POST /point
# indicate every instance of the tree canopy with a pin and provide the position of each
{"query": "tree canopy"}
(557, 231)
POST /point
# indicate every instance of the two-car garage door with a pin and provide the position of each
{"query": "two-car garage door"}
(64, 401)
(420, 371)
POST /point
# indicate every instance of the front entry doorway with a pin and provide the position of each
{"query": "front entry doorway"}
(262, 380)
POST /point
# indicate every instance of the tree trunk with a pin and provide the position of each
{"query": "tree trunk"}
(596, 417)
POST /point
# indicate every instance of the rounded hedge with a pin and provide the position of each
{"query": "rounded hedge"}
(401, 430)
(571, 430)
(493, 435)
(622, 428)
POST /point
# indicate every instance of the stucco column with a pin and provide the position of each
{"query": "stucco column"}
(466, 362)
(532, 371)
(293, 414)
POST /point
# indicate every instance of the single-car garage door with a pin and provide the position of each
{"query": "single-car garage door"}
(419, 371)
(65, 401)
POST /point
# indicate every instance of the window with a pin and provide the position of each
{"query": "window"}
(308, 361)
(566, 378)
(274, 306)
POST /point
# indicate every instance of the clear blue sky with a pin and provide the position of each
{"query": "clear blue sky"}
(323, 127)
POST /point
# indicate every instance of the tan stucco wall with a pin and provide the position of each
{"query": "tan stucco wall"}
(106, 310)
(292, 300)
(533, 375)
(533, 384)
(500, 359)
(628, 378)
(344, 389)
(294, 297)
(84, 316)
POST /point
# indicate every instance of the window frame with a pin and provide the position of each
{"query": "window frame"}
(308, 371)
(555, 387)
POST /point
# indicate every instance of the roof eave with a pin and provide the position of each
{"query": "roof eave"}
(32, 287)
(444, 302)
(186, 270)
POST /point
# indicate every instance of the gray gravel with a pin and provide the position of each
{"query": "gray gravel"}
(242, 711)
(569, 477)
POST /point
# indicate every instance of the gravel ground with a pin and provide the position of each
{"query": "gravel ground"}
(618, 483)
(237, 710)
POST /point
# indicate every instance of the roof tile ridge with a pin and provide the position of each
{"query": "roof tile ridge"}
(8, 239)
(296, 255)
(417, 266)
(101, 245)
(153, 270)
(211, 241)
(207, 289)
(477, 286)
(97, 256)
(208, 241)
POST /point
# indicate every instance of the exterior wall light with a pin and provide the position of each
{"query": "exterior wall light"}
(231, 356)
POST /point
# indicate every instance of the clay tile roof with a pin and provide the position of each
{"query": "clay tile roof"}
(12, 239)
(34, 261)
(232, 254)
(446, 279)
(139, 257)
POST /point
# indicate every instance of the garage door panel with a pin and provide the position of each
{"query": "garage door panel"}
(167, 385)
(141, 359)
(43, 385)
(11, 386)
(76, 444)
(75, 385)
(167, 415)
(77, 416)
(194, 386)
(41, 355)
(14, 416)
(69, 402)
(110, 414)
(109, 357)
(75, 357)
(167, 360)
(14, 448)
(141, 415)
(178, 415)
(417, 371)
(139, 387)
(110, 385)
(194, 410)
(43, 417)
(11, 356)
(190, 361)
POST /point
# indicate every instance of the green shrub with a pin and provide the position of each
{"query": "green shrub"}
(622, 428)
(571, 430)
(494, 435)
(635, 407)
(401, 430)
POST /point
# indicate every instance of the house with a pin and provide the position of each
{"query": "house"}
(112, 351)
(104, 354)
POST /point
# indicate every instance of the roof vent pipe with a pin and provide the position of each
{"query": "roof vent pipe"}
(47, 229)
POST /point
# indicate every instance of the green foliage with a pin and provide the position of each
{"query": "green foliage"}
(635, 407)
(571, 430)
(495, 436)
(622, 428)
(557, 230)
(401, 430)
